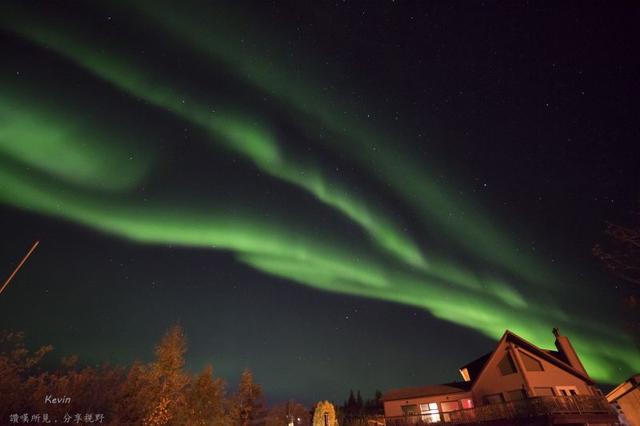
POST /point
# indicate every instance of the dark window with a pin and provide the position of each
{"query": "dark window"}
(506, 365)
(516, 395)
(410, 410)
(496, 398)
(544, 391)
(530, 363)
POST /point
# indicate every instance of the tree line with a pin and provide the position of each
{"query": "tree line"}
(157, 393)
(355, 407)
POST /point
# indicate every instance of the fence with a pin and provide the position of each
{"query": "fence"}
(530, 407)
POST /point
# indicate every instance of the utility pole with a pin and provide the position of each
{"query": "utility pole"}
(15, 271)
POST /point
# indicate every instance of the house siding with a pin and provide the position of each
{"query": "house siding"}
(630, 405)
(505, 381)
(554, 376)
(491, 380)
(627, 398)
(394, 408)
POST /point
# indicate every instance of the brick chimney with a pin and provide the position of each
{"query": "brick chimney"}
(567, 352)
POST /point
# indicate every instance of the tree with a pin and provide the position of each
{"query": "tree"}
(288, 413)
(17, 365)
(374, 406)
(359, 403)
(620, 254)
(153, 394)
(135, 395)
(247, 401)
(205, 400)
(351, 402)
(168, 380)
(325, 414)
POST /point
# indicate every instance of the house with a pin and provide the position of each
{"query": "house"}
(626, 398)
(516, 381)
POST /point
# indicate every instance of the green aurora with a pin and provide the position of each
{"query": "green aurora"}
(60, 160)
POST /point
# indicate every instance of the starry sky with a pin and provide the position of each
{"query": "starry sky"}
(348, 195)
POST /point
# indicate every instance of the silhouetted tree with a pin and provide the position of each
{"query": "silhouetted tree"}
(374, 406)
(359, 403)
(289, 412)
(355, 411)
(620, 254)
(351, 401)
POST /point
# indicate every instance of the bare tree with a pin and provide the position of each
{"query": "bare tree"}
(620, 254)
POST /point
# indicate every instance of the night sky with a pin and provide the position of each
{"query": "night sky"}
(348, 195)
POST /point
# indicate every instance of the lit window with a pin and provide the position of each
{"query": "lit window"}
(467, 403)
(430, 412)
(566, 390)
(449, 406)
(465, 374)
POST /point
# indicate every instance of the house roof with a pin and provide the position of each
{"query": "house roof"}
(624, 388)
(416, 392)
(476, 368)
(554, 357)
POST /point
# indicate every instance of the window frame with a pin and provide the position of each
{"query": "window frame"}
(511, 363)
(487, 398)
(471, 405)
(526, 356)
(542, 388)
(407, 412)
(430, 414)
(521, 393)
(567, 390)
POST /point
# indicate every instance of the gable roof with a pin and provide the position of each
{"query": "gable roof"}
(553, 357)
(429, 390)
(477, 367)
